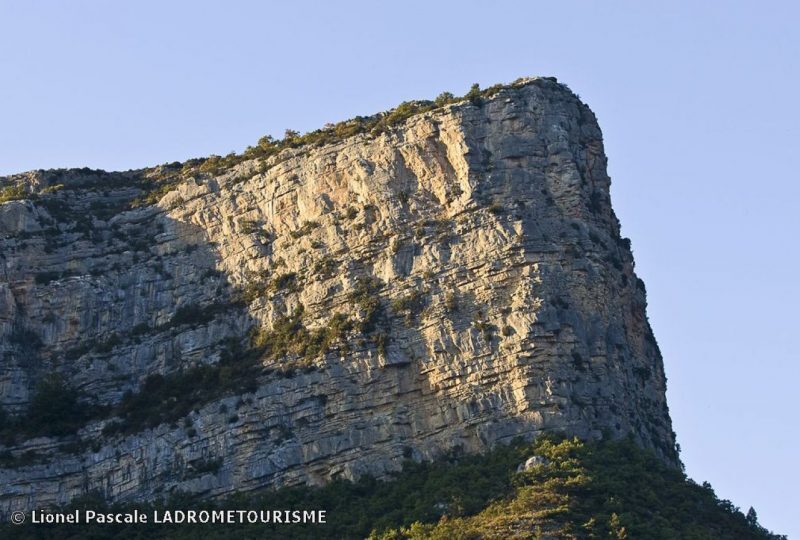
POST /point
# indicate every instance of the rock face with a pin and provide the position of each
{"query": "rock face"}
(470, 253)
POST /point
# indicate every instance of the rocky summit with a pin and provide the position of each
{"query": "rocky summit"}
(446, 275)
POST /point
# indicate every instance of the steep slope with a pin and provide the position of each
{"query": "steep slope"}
(452, 278)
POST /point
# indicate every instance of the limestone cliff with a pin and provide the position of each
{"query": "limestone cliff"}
(455, 280)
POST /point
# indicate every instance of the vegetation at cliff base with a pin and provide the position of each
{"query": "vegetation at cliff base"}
(575, 490)
(597, 490)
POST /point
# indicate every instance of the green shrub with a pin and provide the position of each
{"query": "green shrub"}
(44, 278)
(486, 329)
(451, 302)
(248, 226)
(305, 229)
(253, 289)
(140, 329)
(12, 193)
(108, 345)
(401, 113)
(24, 338)
(443, 99)
(474, 94)
(496, 208)
(213, 164)
(55, 409)
(52, 189)
(381, 340)
(289, 338)
(167, 398)
(206, 466)
(195, 315)
(365, 298)
(326, 266)
(287, 282)
(408, 305)
(155, 192)
(596, 202)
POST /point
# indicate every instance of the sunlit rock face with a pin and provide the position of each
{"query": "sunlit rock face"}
(468, 264)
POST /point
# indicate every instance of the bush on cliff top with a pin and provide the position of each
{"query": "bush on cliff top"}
(156, 182)
(376, 124)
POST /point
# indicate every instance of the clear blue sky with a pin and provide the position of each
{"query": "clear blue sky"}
(698, 102)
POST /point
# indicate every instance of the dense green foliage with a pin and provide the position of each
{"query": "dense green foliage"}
(195, 315)
(597, 490)
(583, 490)
(354, 509)
(167, 398)
(55, 409)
